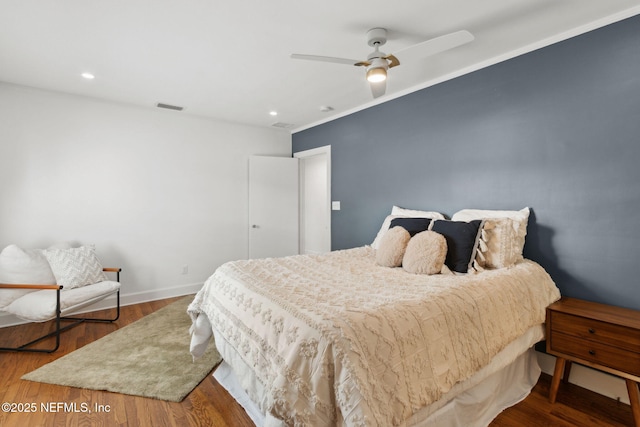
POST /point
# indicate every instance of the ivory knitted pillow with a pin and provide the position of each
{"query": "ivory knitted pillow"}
(75, 267)
(503, 235)
(425, 253)
(392, 247)
(501, 243)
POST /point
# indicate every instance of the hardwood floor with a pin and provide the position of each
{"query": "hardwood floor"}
(575, 406)
(209, 404)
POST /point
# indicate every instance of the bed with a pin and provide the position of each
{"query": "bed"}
(339, 339)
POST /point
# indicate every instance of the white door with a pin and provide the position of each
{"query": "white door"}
(273, 206)
(315, 200)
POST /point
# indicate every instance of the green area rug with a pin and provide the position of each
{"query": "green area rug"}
(149, 358)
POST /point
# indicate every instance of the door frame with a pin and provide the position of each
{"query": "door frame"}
(301, 155)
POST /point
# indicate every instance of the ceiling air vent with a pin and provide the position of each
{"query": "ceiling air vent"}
(283, 125)
(169, 106)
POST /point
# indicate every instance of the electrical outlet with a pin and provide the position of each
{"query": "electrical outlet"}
(185, 269)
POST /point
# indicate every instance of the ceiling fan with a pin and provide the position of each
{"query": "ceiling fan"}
(377, 63)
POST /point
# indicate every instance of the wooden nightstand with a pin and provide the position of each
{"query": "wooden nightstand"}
(601, 336)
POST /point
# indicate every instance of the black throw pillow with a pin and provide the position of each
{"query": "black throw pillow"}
(462, 242)
(412, 225)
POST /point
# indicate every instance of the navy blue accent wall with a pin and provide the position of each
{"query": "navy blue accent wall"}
(557, 129)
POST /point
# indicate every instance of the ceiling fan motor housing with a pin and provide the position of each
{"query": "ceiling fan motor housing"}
(376, 37)
(378, 62)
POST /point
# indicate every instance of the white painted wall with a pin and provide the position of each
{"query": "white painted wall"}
(154, 190)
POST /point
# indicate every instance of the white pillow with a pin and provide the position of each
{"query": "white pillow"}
(470, 214)
(75, 267)
(398, 212)
(22, 266)
(503, 235)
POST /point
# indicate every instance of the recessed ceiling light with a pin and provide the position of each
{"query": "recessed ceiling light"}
(88, 76)
(273, 113)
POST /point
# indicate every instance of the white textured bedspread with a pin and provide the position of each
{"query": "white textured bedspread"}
(335, 339)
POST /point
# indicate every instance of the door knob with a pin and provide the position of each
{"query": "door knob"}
(255, 226)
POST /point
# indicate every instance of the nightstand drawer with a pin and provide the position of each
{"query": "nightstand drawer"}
(594, 352)
(590, 329)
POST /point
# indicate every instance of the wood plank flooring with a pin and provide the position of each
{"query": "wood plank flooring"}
(209, 404)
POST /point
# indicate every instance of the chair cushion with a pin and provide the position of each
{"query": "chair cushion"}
(40, 306)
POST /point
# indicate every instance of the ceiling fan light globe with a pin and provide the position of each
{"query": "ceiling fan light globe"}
(376, 75)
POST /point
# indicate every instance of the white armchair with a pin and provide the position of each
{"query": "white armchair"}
(43, 285)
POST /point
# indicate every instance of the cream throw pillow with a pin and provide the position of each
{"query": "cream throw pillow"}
(392, 246)
(503, 235)
(75, 267)
(501, 243)
(425, 253)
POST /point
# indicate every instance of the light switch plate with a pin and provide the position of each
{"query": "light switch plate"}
(335, 206)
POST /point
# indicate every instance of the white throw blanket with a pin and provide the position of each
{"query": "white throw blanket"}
(335, 339)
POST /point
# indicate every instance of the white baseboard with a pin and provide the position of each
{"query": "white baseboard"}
(7, 319)
(591, 379)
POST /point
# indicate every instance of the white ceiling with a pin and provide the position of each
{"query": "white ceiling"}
(230, 59)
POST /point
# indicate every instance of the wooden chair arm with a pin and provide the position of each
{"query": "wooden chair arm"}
(52, 286)
(114, 270)
(29, 286)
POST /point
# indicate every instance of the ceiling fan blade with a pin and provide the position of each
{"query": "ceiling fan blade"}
(436, 45)
(378, 88)
(327, 59)
(393, 61)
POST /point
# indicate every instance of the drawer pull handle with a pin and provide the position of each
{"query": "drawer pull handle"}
(592, 352)
(592, 331)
